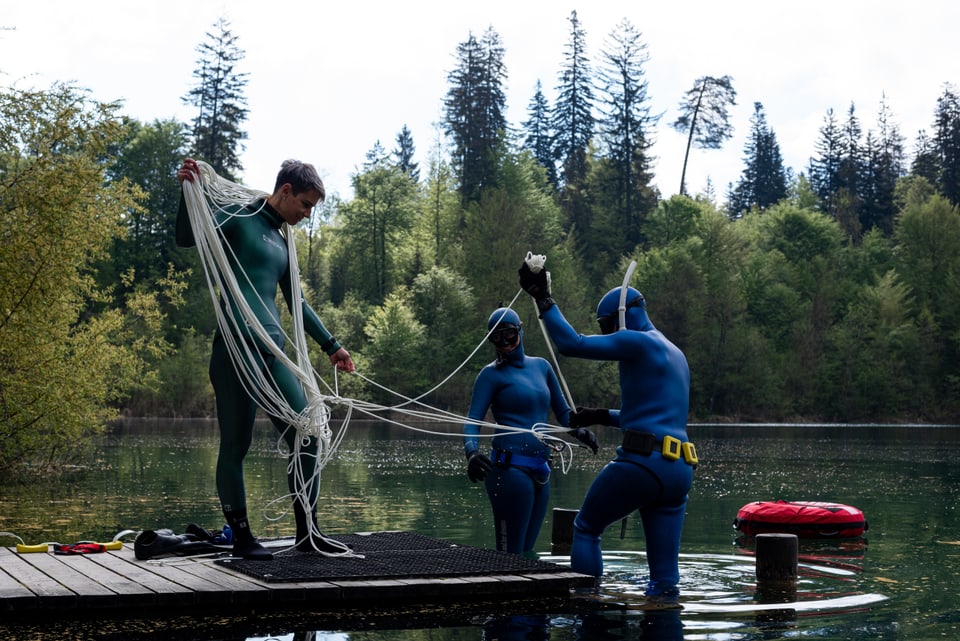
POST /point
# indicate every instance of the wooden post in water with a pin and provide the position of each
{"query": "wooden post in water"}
(776, 555)
(561, 537)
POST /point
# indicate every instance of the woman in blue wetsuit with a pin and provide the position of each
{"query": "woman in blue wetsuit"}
(520, 391)
(653, 469)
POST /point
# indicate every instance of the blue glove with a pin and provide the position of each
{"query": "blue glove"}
(477, 466)
(586, 437)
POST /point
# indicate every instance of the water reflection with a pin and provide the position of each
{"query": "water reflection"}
(899, 582)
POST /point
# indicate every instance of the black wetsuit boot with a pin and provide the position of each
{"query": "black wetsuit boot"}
(245, 545)
(309, 537)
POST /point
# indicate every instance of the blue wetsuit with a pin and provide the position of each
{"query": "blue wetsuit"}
(654, 398)
(520, 390)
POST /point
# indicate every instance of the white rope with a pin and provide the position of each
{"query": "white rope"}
(221, 276)
(536, 262)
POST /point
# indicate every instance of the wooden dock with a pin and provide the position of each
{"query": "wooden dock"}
(38, 585)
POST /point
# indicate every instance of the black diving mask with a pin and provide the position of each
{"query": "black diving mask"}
(608, 323)
(505, 336)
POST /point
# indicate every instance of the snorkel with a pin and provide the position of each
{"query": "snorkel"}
(623, 295)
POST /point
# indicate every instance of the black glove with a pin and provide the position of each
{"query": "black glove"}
(537, 284)
(477, 466)
(534, 283)
(589, 416)
(586, 437)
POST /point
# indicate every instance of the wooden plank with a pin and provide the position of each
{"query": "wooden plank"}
(379, 590)
(13, 594)
(168, 593)
(236, 587)
(440, 587)
(129, 593)
(47, 592)
(68, 572)
(204, 592)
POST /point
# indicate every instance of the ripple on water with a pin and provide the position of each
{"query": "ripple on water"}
(726, 584)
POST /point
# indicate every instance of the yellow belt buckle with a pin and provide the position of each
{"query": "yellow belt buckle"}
(690, 453)
(671, 448)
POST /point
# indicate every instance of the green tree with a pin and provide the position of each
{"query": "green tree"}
(444, 304)
(220, 101)
(824, 168)
(404, 153)
(764, 179)
(475, 108)
(398, 360)
(925, 163)
(538, 137)
(375, 221)
(885, 165)
(440, 218)
(148, 158)
(625, 133)
(573, 119)
(799, 295)
(517, 217)
(946, 140)
(877, 328)
(573, 125)
(705, 117)
(68, 352)
(928, 261)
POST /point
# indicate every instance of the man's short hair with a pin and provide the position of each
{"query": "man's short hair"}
(301, 176)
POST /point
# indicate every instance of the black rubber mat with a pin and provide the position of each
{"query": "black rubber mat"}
(390, 555)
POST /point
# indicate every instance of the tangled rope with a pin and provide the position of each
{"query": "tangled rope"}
(211, 201)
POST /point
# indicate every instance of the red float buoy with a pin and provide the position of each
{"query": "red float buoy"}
(806, 519)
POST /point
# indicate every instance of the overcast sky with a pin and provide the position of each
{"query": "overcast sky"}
(330, 79)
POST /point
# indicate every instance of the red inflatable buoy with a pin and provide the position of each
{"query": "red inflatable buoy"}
(806, 519)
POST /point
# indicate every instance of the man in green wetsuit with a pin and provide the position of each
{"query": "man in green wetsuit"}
(260, 260)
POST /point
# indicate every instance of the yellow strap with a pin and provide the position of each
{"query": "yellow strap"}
(671, 448)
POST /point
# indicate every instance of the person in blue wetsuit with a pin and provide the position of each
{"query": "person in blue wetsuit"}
(260, 260)
(653, 468)
(520, 391)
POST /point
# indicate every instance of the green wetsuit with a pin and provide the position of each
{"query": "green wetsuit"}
(253, 236)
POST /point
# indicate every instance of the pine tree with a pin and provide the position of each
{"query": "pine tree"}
(764, 179)
(404, 152)
(824, 169)
(946, 141)
(925, 162)
(220, 100)
(885, 164)
(852, 163)
(475, 112)
(573, 124)
(704, 116)
(539, 135)
(625, 130)
(573, 119)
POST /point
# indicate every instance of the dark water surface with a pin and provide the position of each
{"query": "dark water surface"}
(900, 581)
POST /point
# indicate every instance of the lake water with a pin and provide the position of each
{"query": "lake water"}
(900, 581)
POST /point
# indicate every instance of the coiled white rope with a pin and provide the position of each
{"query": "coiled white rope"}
(222, 280)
